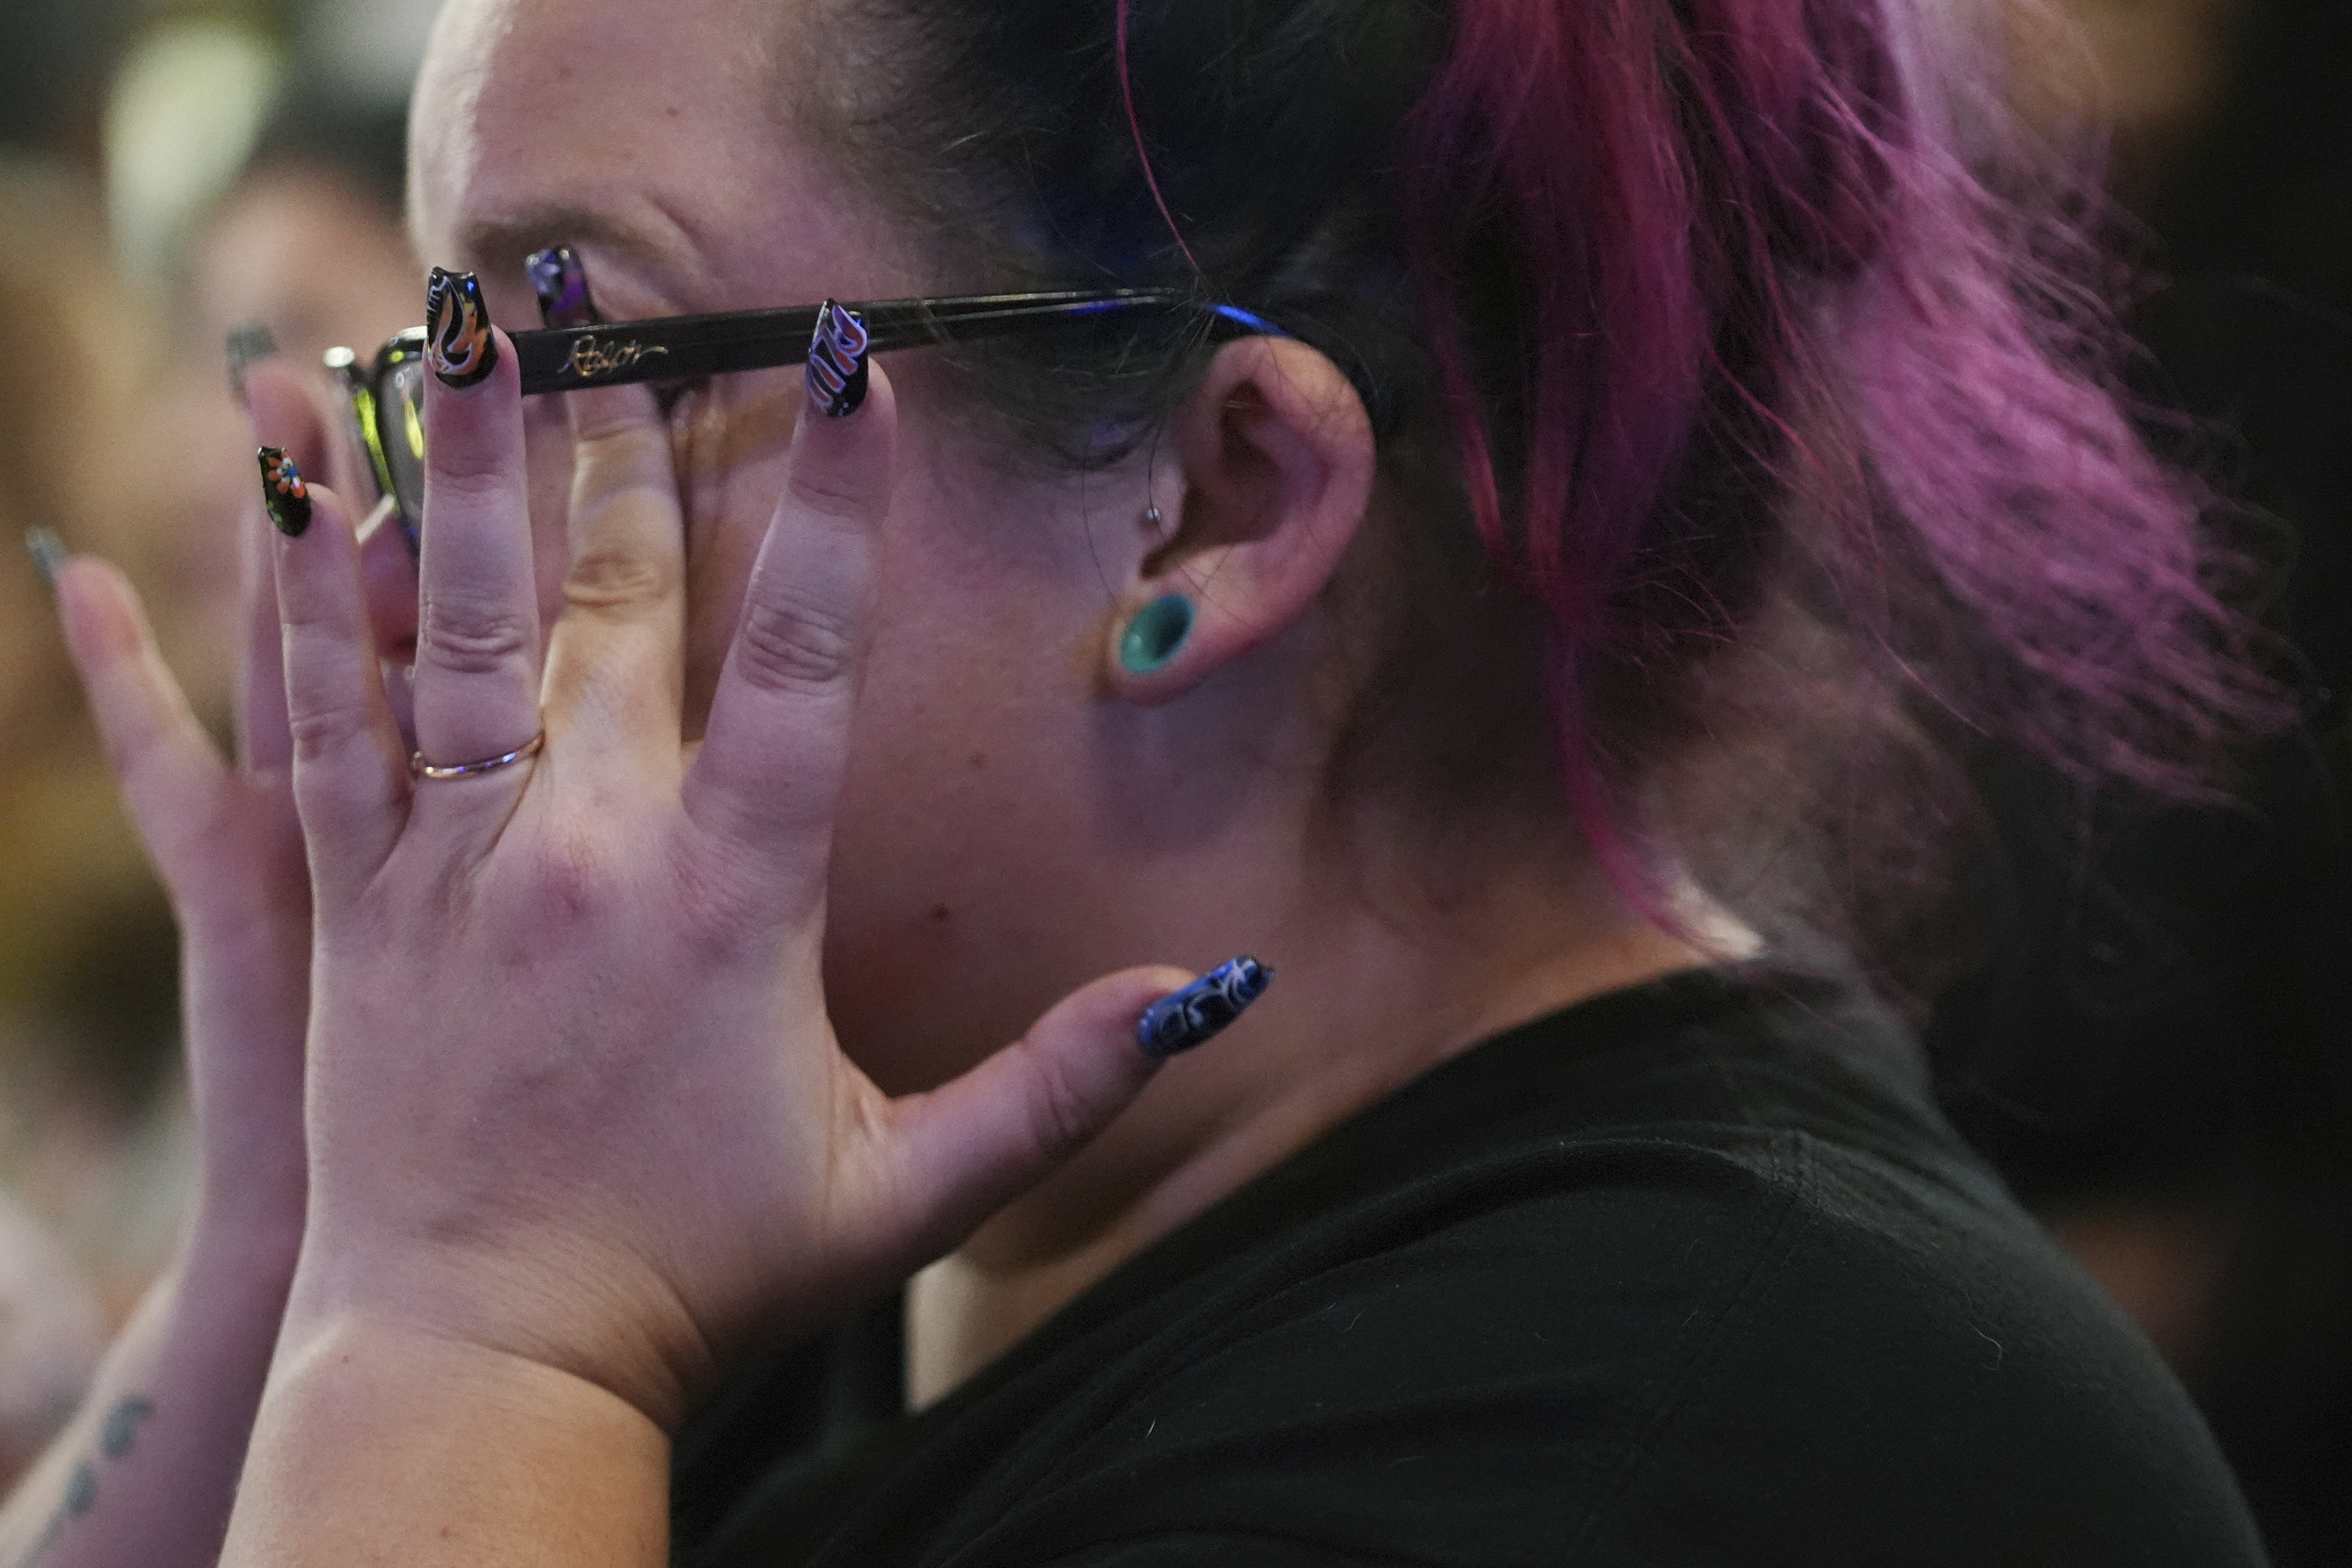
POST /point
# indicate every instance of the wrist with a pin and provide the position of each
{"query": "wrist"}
(240, 1231)
(228, 1285)
(380, 1440)
(593, 1317)
(236, 1255)
(251, 1204)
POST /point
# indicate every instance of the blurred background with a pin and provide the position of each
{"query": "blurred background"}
(2159, 1056)
(167, 172)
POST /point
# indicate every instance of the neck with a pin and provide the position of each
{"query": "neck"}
(1365, 1002)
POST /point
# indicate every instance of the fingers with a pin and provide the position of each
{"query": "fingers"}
(284, 414)
(964, 1150)
(766, 779)
(350, 774)
(970, 1146)
(170, 774)
(615, 672)
(478, 640)
(265, 742)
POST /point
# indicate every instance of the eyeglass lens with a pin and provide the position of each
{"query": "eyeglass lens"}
(396, 428)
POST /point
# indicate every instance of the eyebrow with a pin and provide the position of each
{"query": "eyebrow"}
(511, 237)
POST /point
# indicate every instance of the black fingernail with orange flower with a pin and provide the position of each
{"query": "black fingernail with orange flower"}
(560, 284)
(458, 342)
(284, 493)
(836, 360)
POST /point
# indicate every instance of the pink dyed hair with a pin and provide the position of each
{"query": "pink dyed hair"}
(1752, 236)
(1777, 369)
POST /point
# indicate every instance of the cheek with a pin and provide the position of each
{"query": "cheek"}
(963, 833)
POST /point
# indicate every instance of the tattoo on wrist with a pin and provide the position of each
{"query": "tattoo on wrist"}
(115, 1438)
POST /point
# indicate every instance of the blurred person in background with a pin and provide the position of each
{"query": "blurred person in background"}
(86, 950)
(304, 249)
(54, 57)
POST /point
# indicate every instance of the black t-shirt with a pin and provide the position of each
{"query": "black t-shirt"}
(1689, 1274)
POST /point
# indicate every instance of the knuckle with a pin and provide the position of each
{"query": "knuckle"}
(473, 640)
(319, 734)
(614, 579)
(617, 426)
(1061, 1114)
(133, 754)
(576, 880)
(729, 918)
(470, 475)
(305, 622)
(829, 495)
(792, 645)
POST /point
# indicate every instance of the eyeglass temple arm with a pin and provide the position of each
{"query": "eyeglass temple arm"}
(686, 348)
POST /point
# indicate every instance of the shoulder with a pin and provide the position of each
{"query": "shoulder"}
(1666, 1350)
(1898, 1369)
(1747, 1303)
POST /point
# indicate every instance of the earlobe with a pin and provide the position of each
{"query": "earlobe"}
(1277, 462)
(1156, 635)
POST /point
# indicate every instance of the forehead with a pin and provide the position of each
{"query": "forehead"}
(653, 129)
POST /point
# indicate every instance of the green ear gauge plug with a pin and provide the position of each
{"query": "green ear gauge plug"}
(1156, 635)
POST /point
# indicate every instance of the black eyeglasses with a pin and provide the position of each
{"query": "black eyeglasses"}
(388, 395)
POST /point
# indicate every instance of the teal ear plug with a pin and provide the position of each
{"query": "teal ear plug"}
(1157, 635)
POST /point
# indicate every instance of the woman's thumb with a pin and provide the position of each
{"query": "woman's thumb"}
(969, 1147)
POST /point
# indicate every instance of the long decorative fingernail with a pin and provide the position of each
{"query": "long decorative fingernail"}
(458, 342)
(48, 550)
(1182, 1019)
(247, 346)
(836, 360)
(561, 285)
(284, 493)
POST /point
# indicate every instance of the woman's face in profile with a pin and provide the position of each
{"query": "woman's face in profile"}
(649, 136)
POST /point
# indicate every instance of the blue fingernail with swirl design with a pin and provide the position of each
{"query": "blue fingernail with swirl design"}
(1182, 1019)
(560, 284)
(836, 360)
(458, 342)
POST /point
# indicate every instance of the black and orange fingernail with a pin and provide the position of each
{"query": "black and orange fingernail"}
(560, 284)
(284, 493)
(836, 360)
(49, 552)
(458, 342)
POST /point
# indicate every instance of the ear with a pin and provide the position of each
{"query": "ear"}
(1278, 459)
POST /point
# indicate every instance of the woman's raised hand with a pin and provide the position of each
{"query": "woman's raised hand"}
(223, 838)
(147, 1471)
(575, 1098)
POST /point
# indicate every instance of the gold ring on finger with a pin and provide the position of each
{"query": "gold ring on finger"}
(425, 769)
